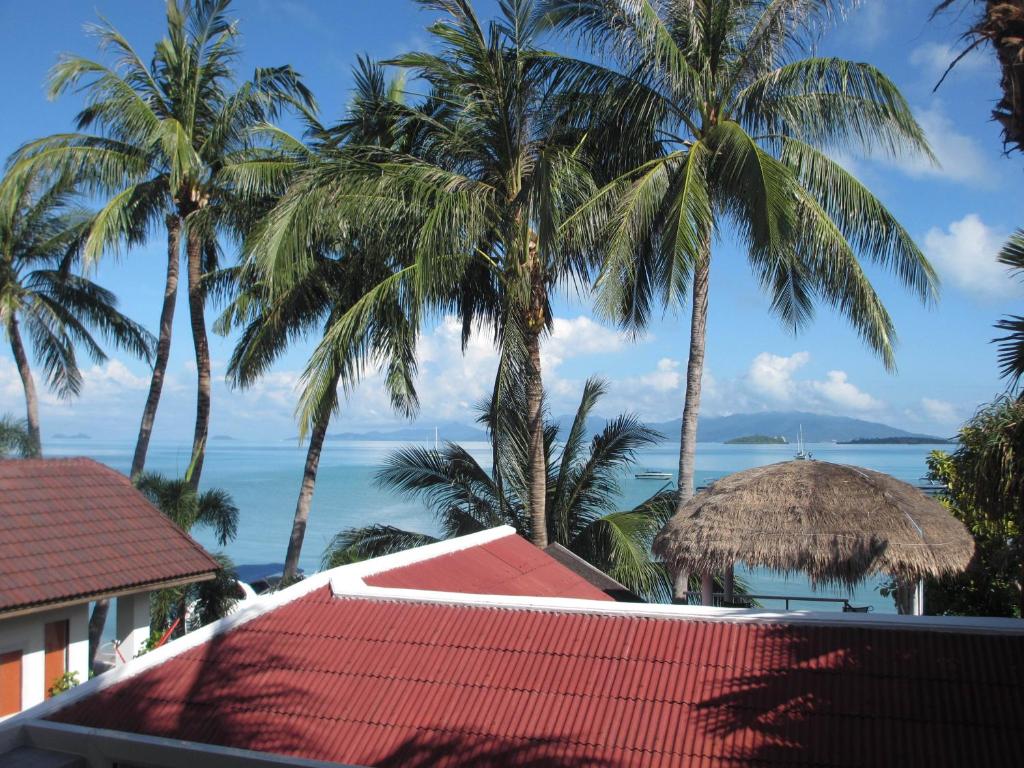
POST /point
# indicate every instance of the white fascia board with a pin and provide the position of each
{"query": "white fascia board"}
(959, 624)
(346, 575)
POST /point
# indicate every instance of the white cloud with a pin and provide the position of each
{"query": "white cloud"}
(965, 255)
(935, 58)
(940, 411)
(772, 375)
(837, 390)
(959, 157)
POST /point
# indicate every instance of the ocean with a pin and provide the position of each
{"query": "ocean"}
(263, 478)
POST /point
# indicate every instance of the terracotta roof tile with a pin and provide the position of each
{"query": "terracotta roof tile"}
(507, 566)
(71, 528)
(395, 683)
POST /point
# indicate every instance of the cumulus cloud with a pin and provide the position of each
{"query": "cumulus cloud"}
(965, 254)
(772, 375)
(838, 390)
(959, 157)
(934, 59)
(771, 381)
(940, 411)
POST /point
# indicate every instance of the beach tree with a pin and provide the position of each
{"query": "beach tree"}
(152, 138)
(343, 288)
(737, 120)
(583, 485)
(1011, 346)
(477, 204)
(43, 298)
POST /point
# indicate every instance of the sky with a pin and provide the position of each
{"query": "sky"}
(959, 212)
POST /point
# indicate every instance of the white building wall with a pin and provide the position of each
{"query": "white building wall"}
(132, 623)
(25, 634)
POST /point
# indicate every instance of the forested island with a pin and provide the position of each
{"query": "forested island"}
(897, 441)
(758, 440)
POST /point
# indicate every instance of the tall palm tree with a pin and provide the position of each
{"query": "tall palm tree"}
(42, 231)
(481, 197)
(582, 487)
(162, 133)
(734, 129)
(341, 267)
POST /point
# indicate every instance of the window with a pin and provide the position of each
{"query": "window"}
(10, 683)
(56, 660)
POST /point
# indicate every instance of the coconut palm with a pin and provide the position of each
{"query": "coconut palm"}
(162, 133)
(1011, 346)
(480, 199)
(213, 509)
(582, 486)
(340, 269)
(734, 128)
(14, 439)
(41, 235)
(1001, 25)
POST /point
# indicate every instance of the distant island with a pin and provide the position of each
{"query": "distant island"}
(222, 437)
(76, 436)
(758, 440)
(897, 441)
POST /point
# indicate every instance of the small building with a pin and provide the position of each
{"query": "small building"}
(485, 651)
(73, 531)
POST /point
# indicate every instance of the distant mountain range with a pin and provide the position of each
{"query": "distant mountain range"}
(817, 428)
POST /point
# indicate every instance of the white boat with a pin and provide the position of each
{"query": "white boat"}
(653, 474)
(802, 454)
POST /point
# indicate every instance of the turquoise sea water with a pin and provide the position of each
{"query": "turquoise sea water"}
(264, 479)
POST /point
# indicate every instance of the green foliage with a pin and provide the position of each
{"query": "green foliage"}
(14, 438)
(1011, 346)
(187, 508)
(984, 477)
(582, 485)
(65, 682)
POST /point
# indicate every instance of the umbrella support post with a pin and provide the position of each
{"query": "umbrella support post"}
(681, 586)
(728, 583)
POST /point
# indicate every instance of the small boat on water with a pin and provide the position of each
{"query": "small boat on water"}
(653, 474)
(802, 454)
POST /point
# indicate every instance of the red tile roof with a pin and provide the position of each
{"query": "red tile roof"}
(74, 528)
(394, 683)
(507, 566)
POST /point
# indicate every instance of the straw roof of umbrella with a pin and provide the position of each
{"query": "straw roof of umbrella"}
(836, 523)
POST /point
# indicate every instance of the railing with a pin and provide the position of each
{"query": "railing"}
(754, 601)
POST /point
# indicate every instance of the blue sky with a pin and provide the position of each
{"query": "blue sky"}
(959, 213)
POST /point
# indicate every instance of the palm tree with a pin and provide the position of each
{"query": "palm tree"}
(342, 266)
(14, 439)
(1011, 346)
(582, 487)
(1000, 24)
(163, 132)
(213, 509)
(41, 237)
(480, 197)
(733, 129)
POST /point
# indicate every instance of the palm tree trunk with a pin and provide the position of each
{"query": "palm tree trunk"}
(97, 620)
(163, 347)
(197, 316)
(535, 423)
(305, 501)
(29, 385)
(694, 374)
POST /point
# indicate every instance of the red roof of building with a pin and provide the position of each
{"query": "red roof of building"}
(371, 681)
(507, 566)
(74, 528)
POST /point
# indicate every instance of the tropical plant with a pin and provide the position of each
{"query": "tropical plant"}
(14, 439)
(42, 232)
(339, 269)
(1011, 346)
(582, 487)
(162, 133)
(991, 585)
(477, 203)
(733, 129)
(1001, 25)
(213, 509)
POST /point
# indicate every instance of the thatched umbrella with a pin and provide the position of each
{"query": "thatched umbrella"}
(836, 523)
